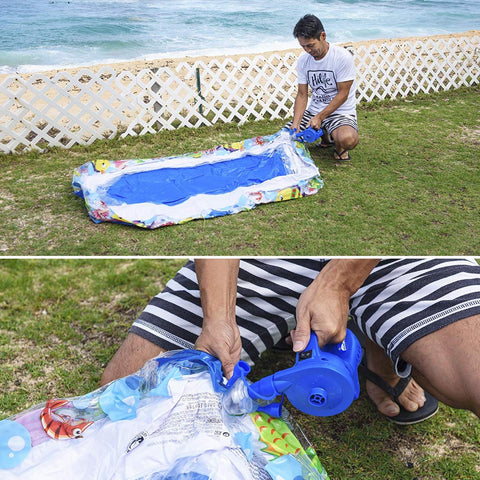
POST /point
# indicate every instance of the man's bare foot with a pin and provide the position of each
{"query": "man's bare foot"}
(411, 399)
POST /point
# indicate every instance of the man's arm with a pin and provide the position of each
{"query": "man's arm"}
(300, 105)
(217, 279)
(324, 305)
(339, 99)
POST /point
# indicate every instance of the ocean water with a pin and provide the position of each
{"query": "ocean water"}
(42, 34)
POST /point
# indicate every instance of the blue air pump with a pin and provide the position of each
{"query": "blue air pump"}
(309, 135)
(323, 382)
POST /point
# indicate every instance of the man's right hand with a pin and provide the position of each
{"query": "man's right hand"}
(220, 336)
(222, 340)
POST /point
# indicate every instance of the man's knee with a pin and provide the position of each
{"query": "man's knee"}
(130, 357)
(347, 137)
(352, 139)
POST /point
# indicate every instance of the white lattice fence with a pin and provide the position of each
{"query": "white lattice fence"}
(201, 93)
(62, 110)
(68, 109)
(399, 69)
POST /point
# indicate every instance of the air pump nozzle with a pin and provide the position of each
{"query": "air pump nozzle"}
(323, 382)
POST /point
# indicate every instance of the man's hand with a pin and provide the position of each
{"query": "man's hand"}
(323, 310)
(316, 122)
(324, 305)
(217, 280)
(339, 99)
(222, 340)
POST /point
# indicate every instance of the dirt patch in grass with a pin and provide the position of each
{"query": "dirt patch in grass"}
(448, 446)
(471, 136)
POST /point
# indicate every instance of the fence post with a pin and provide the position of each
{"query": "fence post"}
(199, 90)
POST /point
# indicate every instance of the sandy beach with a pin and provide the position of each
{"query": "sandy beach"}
(138, 65)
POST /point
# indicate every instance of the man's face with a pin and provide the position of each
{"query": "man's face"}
(317, 48)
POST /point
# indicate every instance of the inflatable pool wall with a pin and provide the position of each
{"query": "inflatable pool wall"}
(225, 180)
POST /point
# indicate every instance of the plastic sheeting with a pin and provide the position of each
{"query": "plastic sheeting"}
(166, 422)
(156, 192)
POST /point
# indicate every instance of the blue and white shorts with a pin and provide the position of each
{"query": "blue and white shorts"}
(401, 301)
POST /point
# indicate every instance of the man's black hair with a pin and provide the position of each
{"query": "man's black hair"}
(308, 26)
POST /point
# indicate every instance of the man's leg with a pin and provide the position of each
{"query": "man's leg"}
(130, 357)
(346, 139)
(447, 363)
(412, 397)
(417, 315)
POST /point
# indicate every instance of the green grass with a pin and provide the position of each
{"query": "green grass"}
(61, 320)
(411, 188)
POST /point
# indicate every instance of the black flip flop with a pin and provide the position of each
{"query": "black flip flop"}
(339, 155)
(405, 417)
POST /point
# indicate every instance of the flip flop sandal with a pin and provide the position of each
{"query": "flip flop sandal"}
(405, 417)
(339, 155)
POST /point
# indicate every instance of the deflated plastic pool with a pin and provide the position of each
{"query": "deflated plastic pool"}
(156, 192)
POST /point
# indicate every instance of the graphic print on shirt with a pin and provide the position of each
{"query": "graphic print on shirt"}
(323, 85)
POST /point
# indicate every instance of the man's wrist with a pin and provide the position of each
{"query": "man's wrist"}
(346, 276)
(219, 318)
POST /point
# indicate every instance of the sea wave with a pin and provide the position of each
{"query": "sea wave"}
(65, 33)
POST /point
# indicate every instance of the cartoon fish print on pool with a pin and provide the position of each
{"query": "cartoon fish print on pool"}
(60, 427)
(101, 165)
(288, 194)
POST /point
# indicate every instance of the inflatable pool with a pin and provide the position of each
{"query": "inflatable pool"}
(228, 179)
(165, 422)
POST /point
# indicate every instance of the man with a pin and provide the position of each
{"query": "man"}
(329, 71)
(425, 313)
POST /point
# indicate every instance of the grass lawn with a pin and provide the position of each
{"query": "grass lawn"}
(411, 188)
(61, 320)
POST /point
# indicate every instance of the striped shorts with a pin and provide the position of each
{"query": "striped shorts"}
(332, 122)
(401, 301)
